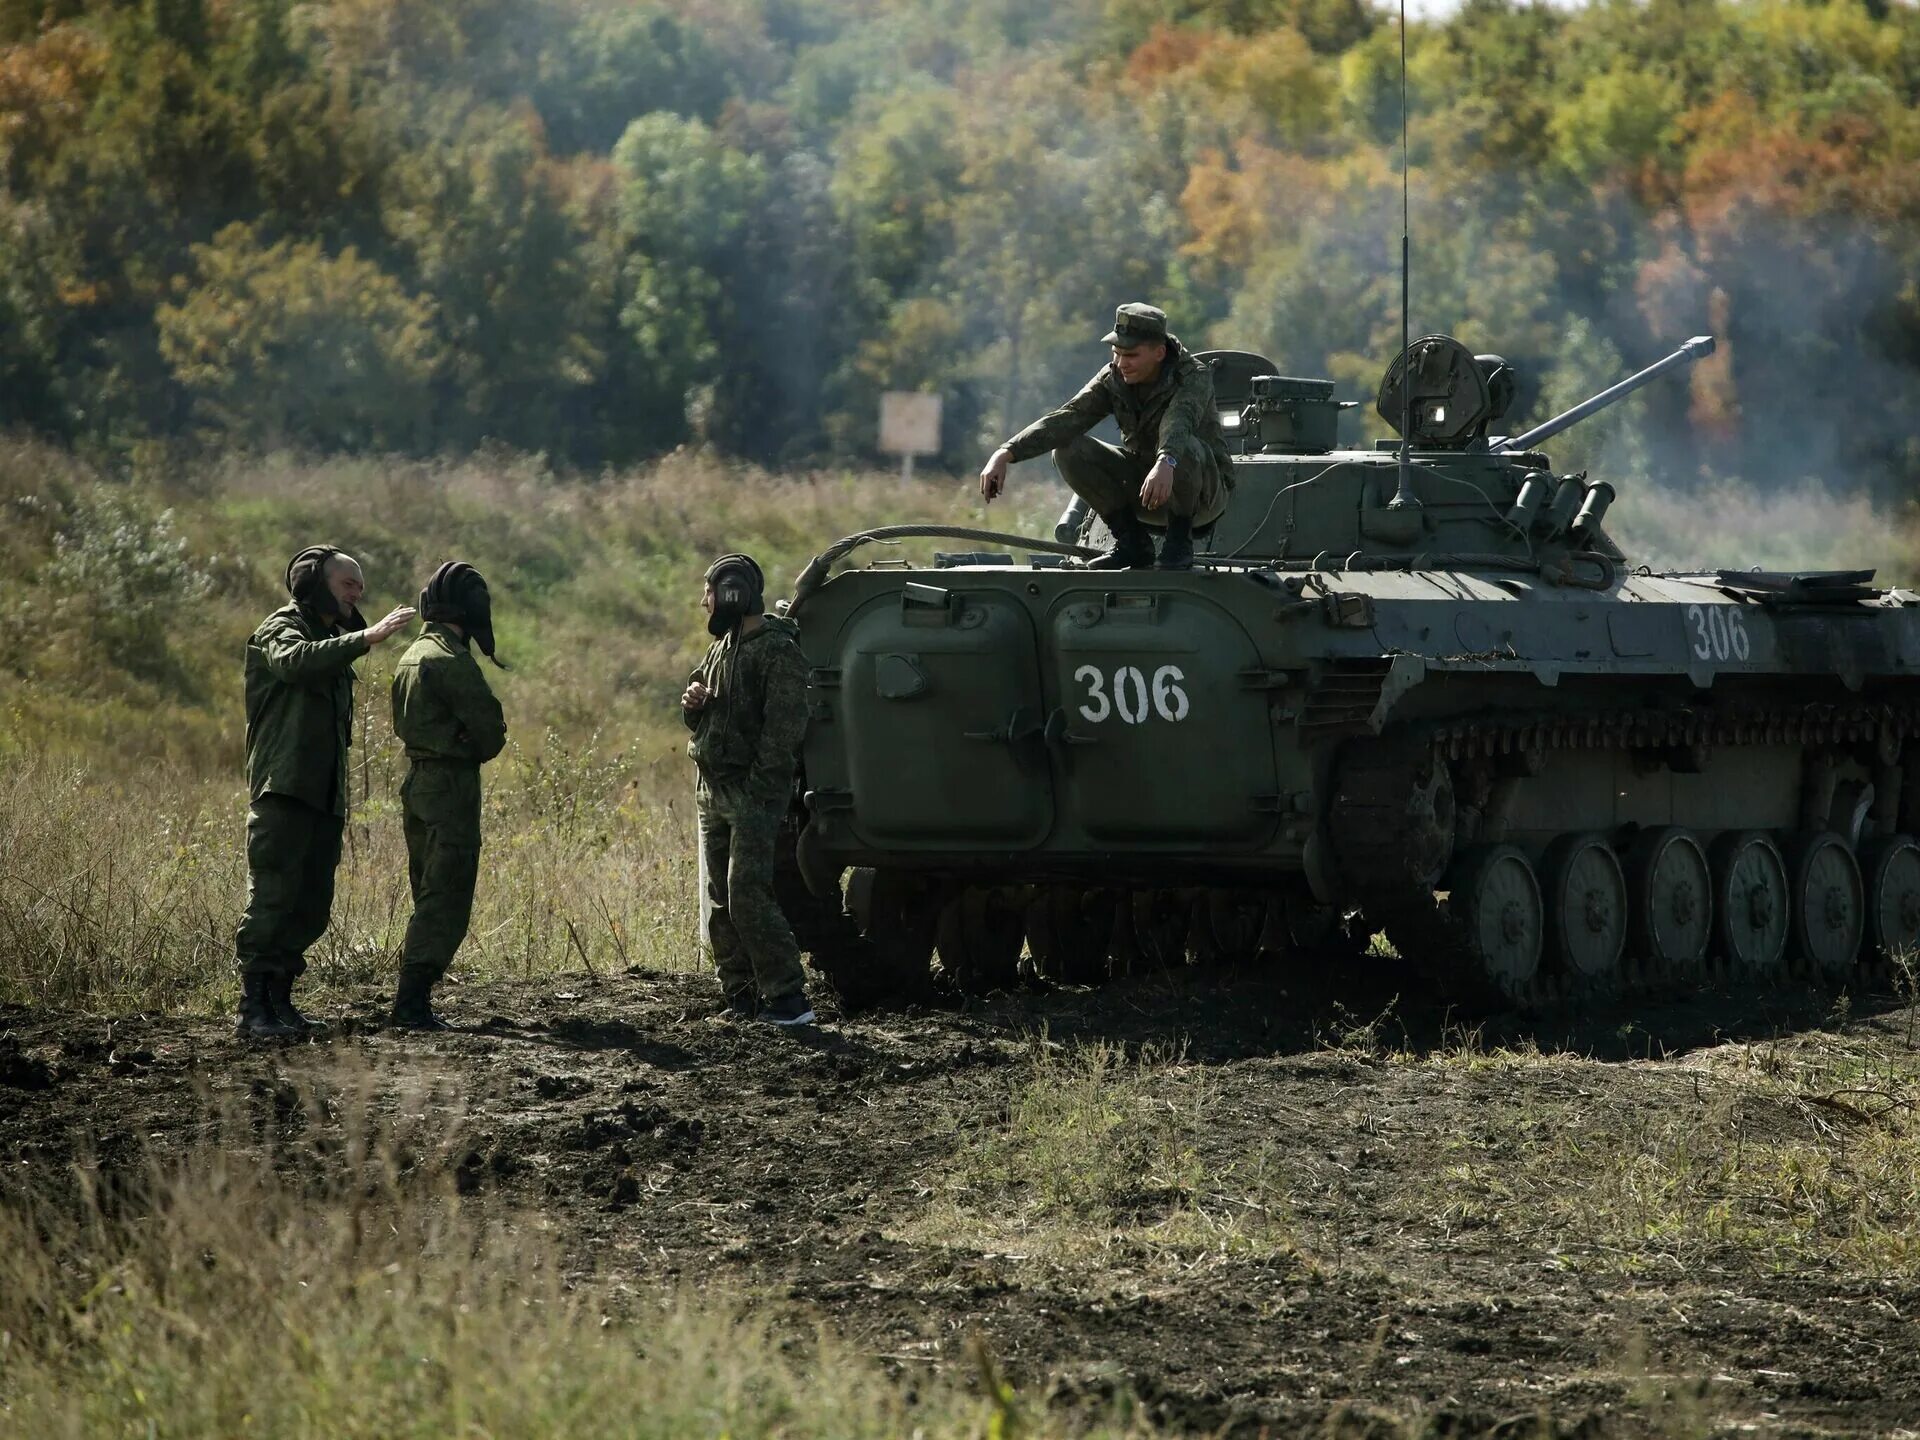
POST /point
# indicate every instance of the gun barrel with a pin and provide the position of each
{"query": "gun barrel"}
(1698, 348)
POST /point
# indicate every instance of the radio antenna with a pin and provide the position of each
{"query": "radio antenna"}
(1403, 496)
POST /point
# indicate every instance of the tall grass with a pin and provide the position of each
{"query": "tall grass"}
(122, 892)
(122, 812)
(348, 1290)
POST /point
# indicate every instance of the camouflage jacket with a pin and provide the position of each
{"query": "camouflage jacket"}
(750, 728)
(300, 708)
(1174, 416)
(443, 708)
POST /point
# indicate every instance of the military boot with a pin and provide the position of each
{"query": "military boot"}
(413, 1002)
(257, 1020)
(280, 998)
(1132, 547)
(1176, 551)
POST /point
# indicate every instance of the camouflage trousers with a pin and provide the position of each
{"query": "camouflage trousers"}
(753, 946)
(440, 805)
(1109, 479)
(292, 852)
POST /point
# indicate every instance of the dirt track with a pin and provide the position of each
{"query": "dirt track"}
(662, 1143)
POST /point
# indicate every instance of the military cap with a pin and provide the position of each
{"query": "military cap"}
(1137, 324)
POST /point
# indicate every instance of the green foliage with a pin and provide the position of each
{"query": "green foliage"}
(597, 231)
(285, 344)
(126, 569)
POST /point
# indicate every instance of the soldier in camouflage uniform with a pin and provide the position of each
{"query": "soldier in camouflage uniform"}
(451, 724)
(299, 685)
(1172, 467)
(746, 706)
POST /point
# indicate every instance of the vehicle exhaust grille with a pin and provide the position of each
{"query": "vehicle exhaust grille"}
(1343, 698)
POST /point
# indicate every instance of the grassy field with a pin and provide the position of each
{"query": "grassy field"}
(343, 1290)
(352, 1286)
(121, 725)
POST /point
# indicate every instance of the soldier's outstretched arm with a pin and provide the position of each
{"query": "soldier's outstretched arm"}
(783, 723)
(296, 660)
(1073, 419)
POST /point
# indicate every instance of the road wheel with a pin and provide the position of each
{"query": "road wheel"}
(1070, 932)
(1892, 871)
(896, 914)
(1499, 919)
(1829, 904)
(980, 935)
(1586, 894)
(1671, 889)
(1751, 904)
(1228, 925)
(1154, 930)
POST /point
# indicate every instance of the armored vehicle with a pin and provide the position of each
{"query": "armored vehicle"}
(1414, 687)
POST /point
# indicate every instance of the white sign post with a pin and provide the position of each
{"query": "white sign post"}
(909, 426)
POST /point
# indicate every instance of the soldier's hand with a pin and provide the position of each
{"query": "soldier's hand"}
(1157, 488)
(392, 624)
(695, 696)
(993, 475)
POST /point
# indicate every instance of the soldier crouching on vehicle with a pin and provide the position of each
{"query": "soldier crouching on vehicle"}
(1172, 456)
(299, 683)
(746, 706)
(451, 724)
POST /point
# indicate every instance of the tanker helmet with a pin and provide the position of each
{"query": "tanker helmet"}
(739, 588)
(307, 584)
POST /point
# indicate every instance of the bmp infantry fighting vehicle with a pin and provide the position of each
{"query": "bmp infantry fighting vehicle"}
(1414, 687)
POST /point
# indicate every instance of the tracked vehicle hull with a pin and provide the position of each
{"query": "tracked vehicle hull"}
(1542, 773)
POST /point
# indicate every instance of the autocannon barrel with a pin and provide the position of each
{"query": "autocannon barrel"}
(1698, 348)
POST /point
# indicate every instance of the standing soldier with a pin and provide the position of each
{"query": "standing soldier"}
(747, 708)
(448, 719)
(1172, 467)
(299, 725)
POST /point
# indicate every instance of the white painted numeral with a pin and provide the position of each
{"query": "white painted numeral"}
(1168, 698)
(1131, 697)
(1719, 631)
(1098, 707)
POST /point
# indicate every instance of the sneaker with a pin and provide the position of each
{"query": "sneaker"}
(788, 1010)
(739, 1005)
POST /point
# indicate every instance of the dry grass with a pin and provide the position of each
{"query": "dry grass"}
(1104, 1157)
(1731, 526)
(122, 812)
(1798, 1156)
(347, 1290)
(122, 892)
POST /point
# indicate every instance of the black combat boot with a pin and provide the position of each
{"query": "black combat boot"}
(1176, 551)
(413, 1002)
(1132, 547)
(280, 997)
(257, 1020)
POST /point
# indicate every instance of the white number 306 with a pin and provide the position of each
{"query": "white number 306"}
(1131, 693)
(1718, 632)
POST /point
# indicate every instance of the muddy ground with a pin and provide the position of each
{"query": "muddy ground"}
(664, 1144)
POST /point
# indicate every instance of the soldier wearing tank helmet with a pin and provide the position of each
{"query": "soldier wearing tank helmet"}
(1172, 469)
(447, 717)
(746, 706)
(299, 691)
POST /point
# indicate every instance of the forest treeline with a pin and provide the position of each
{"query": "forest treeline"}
(600, 230)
